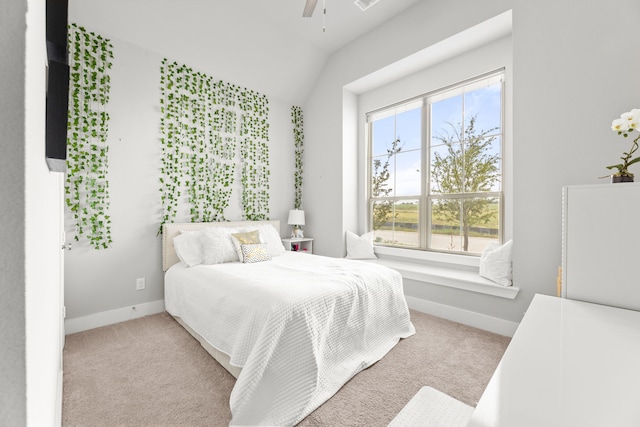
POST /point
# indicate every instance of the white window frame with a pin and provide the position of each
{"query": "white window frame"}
(425, 101)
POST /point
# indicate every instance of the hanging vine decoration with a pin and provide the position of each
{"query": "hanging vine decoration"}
(194, 157)
(201, 122)
(87, 187)
(221, 105)
(170, 179)
(254, 153)
(298, 141)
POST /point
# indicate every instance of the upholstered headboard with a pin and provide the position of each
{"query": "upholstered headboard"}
(169, 231)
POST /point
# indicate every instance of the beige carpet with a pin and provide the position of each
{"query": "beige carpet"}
(151, 372)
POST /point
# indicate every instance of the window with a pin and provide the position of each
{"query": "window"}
(436, 169)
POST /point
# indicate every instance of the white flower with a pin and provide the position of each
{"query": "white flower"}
(635, 118)
(627, 122)
(618, 125)
(632, 118)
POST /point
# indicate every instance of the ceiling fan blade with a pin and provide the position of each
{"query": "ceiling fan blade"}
(309, 8)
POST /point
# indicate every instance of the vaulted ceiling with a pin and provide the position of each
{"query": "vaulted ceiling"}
(265, 45)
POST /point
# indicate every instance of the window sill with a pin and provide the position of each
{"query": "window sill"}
(450, 276)
(418, 256)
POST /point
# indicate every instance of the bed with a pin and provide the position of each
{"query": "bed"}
(292, 327)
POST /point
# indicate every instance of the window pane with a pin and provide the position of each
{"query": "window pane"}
(409, 129)
(446, 117)
(446, 169)
(381, 177)
(382, 216)
(469, 168)
(445, 225)
(407, 173)
(482, 164)
(483, 109)
(396, 223)
(464, 225)
(405, 154)
(383, 135)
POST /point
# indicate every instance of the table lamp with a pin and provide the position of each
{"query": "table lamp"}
(296, 218)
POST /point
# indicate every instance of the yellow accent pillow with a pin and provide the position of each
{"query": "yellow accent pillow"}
(246, 238)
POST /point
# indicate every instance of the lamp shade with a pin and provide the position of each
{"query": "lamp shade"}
(296, 217)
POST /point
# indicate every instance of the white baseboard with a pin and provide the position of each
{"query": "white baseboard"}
(471, 318)
(110, 317)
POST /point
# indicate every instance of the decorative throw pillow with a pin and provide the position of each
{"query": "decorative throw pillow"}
(360, 247)
(246, 238)
(188, 248)
(270, 236)
(495, 263)
(255, 253)
(217, 246)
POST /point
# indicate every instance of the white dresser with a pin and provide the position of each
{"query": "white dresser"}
(601, 244)
(570, 364)
(575, 361)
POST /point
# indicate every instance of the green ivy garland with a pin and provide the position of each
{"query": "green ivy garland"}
(254, 153)
(298, 140)
(202, 121)
(87, 188)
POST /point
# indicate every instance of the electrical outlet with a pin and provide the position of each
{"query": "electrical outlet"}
(140, 284)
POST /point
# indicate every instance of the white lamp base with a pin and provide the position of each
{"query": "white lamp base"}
(297, 233)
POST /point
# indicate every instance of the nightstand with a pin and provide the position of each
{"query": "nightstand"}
(304, 245)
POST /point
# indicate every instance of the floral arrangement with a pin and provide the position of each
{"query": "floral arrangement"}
(627, 123)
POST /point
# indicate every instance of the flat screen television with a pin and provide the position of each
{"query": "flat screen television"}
(57, 86)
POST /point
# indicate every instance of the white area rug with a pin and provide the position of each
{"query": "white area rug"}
(432, 408)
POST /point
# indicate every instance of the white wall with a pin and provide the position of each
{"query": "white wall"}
(13, 407)
(99, 281)
(572, 74)
(570, 80)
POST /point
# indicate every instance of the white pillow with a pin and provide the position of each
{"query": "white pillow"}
(270, 236)
(217, 246)
(360, 247)
(188, 248)
(495, 263)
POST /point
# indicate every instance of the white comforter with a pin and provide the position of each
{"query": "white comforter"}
(300, 326)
